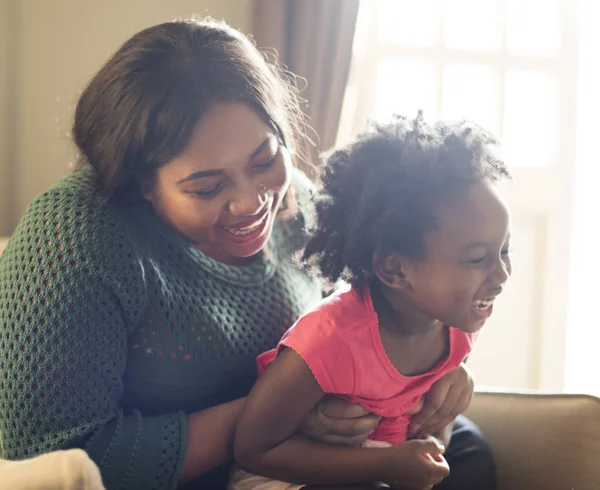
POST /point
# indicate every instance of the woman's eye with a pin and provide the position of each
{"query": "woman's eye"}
(506, 251)
(266, 165)
(211, 192)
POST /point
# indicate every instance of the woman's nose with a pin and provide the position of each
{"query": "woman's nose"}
(248, 202)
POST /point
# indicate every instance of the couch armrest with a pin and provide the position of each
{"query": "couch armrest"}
(541, 441)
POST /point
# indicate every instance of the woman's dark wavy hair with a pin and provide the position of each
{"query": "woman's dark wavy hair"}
(139, 110)
(382, 191)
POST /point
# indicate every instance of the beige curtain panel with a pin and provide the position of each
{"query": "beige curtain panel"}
(314, 40)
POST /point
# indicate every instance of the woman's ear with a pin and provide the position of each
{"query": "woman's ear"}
(146, 185)
(389, 269)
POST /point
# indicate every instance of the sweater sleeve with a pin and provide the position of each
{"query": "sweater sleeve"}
(71, 289)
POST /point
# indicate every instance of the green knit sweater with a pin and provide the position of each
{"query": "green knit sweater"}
(113, 326)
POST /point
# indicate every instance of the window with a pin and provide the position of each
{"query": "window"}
(498, 62)
(512, 66)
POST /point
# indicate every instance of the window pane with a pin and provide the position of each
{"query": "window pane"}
(530, 118)
(533, 27)
(363, 25)
(473, 25)
(472, 92)
(404, 87)
(409, 22)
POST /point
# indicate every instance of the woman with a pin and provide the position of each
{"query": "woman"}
(136, 293)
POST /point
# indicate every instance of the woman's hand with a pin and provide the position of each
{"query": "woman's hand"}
(336, 421)
(448, 397)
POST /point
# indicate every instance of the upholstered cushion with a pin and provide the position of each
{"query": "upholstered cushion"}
(549, 442)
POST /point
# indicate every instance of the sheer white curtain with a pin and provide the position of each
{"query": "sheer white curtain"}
(529, 71)
(583, 332)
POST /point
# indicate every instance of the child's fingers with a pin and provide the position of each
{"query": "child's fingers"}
(429, 446)
(432, 454)
(439, 458)
(438, 467)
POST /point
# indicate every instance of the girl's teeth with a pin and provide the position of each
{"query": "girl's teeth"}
(483, 305)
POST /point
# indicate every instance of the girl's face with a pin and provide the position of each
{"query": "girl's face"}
(223, 192)
(466, 262)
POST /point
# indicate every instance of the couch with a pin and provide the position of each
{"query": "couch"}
(539, 441)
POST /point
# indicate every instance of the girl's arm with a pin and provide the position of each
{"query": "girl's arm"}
(285, 393)
(265, 445)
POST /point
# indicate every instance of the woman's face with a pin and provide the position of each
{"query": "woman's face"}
(223, 192)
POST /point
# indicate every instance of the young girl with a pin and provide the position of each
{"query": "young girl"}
(409, 216)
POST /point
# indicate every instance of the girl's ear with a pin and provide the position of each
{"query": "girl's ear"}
(390, 270)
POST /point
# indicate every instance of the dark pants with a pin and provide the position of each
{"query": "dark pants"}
(470, 459)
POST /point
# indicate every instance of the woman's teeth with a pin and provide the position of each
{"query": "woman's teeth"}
(483, 304)
(246, 229)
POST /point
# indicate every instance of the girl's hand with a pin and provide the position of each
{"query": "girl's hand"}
(336, 421)
(448, 397)
(414, 465)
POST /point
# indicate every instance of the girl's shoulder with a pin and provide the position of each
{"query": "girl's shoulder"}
(345, 312)
(327, 337)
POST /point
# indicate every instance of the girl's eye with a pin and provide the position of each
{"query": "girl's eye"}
(477, 261)
(506, 251)
(213, 191)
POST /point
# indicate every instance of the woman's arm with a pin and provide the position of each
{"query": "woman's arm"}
(68, 303)
(69, 355)
(275, 408)
(264, 441)
(209, 439)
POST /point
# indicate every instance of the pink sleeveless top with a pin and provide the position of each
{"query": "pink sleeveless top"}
(339, 340)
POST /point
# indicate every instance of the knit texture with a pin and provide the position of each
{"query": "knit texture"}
(113, 326)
